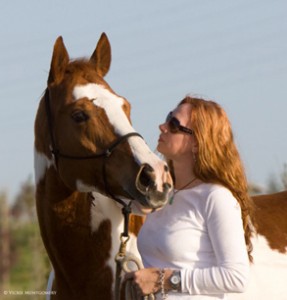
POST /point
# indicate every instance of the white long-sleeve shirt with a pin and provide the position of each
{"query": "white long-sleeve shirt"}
(201, 234)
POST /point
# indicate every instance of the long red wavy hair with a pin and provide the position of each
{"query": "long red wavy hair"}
(218, 160)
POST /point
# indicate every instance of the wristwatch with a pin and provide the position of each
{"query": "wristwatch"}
(175, 281)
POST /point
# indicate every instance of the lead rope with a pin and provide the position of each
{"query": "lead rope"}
(124, 262)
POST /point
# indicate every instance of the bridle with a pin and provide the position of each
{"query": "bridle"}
(105, 154)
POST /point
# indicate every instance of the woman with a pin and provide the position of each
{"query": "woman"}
(198, 246)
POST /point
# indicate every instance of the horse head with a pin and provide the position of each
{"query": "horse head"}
(83, 130)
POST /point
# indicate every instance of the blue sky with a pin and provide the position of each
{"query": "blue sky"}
(234, 52)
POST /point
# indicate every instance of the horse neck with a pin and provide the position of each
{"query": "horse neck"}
(81, 237)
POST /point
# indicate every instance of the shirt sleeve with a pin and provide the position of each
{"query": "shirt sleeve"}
(225, 230)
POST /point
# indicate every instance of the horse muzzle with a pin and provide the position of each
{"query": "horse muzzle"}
(156, 187)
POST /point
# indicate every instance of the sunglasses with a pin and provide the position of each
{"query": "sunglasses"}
(174, 125)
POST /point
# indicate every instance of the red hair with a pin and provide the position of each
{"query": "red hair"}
(218, 160)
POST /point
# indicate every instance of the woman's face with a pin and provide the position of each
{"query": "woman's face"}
(181, 144)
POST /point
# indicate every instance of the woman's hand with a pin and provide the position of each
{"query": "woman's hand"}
(145, 281)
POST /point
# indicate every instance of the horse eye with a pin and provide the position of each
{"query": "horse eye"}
(79, 116)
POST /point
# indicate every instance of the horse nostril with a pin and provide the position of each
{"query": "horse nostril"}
(166, 187)
(147, 176)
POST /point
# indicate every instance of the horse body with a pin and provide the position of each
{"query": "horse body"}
(269, 271)
(82, 244)
(86, 152)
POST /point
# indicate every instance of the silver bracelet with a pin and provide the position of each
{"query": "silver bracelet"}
(161, 281)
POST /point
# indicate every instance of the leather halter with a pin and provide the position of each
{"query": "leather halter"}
(126, 210)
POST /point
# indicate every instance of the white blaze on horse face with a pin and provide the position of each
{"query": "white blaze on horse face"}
(112, 104)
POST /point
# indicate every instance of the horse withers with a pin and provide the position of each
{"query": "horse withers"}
(89, 163)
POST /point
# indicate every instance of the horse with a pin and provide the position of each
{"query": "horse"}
(90, 167)
(268, 273)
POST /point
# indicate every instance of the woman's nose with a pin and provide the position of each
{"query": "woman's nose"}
(162, 127)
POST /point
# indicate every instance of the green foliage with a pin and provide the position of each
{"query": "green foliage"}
(29, 266)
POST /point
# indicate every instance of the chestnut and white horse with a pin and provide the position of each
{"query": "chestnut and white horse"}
(268, 278)
(84, 143)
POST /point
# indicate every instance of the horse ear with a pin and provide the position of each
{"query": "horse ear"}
(60, 60)
(102, 55)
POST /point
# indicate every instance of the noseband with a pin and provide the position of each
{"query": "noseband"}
(126, 210)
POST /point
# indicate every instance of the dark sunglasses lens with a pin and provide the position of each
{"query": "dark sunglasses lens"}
(168, 117)
(172, 122)
(173, 125)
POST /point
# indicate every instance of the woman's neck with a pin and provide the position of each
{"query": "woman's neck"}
(183, 174)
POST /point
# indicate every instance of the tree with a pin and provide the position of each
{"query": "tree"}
(24, 205)
(284, 176)
(5, 241)
(29, 261)
(275, 183)
(254, 189)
